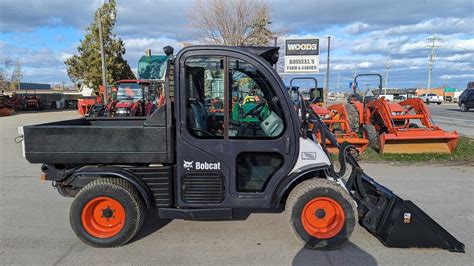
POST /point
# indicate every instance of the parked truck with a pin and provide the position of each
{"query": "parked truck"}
(431, 98)
(185, 162)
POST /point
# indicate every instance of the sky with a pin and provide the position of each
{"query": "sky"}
(42, 34)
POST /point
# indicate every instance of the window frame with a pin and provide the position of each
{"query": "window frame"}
(228, 98)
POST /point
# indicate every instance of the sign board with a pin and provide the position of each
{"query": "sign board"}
(447, 89)
(302, 56)
(352, 83)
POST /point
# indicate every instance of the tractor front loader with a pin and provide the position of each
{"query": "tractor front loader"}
(404, 127)
(336, 117)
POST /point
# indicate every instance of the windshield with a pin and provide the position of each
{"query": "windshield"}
(129, 91)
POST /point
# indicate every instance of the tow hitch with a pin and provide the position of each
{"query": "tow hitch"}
(394, 221)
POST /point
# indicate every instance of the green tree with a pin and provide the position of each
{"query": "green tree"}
(86, 65)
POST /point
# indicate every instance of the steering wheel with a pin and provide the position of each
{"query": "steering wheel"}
(255, 111)
(207, 133)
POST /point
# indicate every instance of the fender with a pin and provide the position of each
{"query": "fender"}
(84, 175)
(283, 189)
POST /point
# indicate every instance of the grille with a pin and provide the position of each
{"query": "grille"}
(158, 180)
(202, 188)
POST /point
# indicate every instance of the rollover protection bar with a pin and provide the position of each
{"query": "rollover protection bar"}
(394, 221)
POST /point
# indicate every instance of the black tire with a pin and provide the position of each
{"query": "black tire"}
(439, 103)
(373, 136)
(413, 125)
(119, 190)
(353, 115)
(306, 192)
(464, 107)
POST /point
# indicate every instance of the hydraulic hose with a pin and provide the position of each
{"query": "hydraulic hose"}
(344, 149)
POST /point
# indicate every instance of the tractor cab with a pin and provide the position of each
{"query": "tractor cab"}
(131, 97)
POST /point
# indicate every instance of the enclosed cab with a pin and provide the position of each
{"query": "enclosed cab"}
(226, 142)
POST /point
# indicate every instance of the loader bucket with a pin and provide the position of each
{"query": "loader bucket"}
(418, 141)
(396, 222)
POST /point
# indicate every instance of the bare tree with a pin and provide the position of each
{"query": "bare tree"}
(231, 22)
(6, 63)
(17, 75)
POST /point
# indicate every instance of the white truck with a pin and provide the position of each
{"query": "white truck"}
(431, 98)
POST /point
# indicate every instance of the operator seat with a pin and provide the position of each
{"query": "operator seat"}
(197, 117)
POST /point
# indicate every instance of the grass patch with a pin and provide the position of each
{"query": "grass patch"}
(464, 153)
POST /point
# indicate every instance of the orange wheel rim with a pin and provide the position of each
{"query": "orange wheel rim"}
(322, 217)
(103, 217)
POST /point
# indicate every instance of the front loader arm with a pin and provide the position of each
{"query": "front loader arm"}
(420, 109)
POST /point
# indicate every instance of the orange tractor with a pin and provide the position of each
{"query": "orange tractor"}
(336, 117)
(404, 127)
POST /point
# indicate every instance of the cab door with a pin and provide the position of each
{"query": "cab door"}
(237, 136)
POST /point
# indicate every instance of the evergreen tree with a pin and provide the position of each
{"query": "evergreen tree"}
(260, 34)
(86, 65)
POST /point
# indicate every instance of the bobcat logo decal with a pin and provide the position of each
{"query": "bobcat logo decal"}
(188, 165)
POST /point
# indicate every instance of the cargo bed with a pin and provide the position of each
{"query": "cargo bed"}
(130, 140)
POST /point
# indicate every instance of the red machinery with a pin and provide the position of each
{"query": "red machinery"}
(5, 105)
(93, 106)
(132, 97)
(404, 127)
(30, 101)
(336, 117)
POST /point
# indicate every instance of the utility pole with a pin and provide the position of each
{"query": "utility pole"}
(388, 65)
(326, 85)
(431, 57)
(102, 56)
(62, 80)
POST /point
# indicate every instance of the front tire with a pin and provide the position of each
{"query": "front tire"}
(353, 117)
(321, 214)
(372, 135)
(464, 107)
(107, 212)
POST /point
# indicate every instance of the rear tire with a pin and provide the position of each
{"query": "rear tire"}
(439, 103)
(372, 136)
(107, 212)
(321, 214)
(353, 116)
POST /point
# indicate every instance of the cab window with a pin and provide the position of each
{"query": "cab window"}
(204, 96)
(254, 107)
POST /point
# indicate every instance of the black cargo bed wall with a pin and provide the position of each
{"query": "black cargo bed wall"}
(102, 141)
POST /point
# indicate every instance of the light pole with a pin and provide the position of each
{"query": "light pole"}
(327, 68)
(102, 56)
